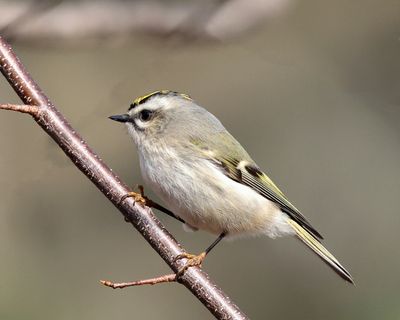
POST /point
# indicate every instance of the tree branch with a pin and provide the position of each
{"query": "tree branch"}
(23, 108)
(142, 218)
(152, 281)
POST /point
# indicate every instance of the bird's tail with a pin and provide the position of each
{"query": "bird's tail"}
(320, 250)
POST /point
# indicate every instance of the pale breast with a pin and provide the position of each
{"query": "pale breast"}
(206, 198)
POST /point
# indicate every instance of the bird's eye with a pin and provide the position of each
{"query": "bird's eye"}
(145, 115)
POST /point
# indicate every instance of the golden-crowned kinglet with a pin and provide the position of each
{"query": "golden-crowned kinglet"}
(205, 177)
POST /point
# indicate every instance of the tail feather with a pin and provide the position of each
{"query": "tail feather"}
(320, 250)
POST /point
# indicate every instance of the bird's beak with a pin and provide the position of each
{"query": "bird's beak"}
(120, 117)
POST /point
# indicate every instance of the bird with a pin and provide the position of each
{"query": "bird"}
(207, 180)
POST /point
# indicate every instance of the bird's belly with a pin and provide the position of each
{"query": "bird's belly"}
(207, 199)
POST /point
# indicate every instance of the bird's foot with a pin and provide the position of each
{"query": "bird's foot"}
(193, 261)
(145, 201)
(138, 197)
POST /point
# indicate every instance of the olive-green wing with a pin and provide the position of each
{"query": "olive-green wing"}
(250, 175)
(230, 157)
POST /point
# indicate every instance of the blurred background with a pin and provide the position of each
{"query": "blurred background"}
(310, 88)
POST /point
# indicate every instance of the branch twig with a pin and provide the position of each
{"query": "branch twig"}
(152, 281)
(23, 108)
(54, 124)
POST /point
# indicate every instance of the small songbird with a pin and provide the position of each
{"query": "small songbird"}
(206, 178)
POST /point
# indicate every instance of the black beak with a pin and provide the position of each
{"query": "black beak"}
(120, 117)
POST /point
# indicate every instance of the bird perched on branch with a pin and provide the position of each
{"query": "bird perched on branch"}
(207, 179)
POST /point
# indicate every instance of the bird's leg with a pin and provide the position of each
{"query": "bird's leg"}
(145, 201)
(197, 260)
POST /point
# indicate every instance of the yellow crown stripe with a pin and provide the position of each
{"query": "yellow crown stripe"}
(138, 100)
(185, 96)
(141, 99)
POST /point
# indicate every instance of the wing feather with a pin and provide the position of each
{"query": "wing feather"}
(242, 169)
(251, 176)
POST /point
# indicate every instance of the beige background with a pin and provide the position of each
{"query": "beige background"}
(314, 97)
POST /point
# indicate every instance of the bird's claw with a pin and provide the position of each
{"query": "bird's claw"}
(138, 197)
(193, 261)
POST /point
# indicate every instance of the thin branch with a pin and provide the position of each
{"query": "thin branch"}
(162, 279)
(23, 108)
(142, 218)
